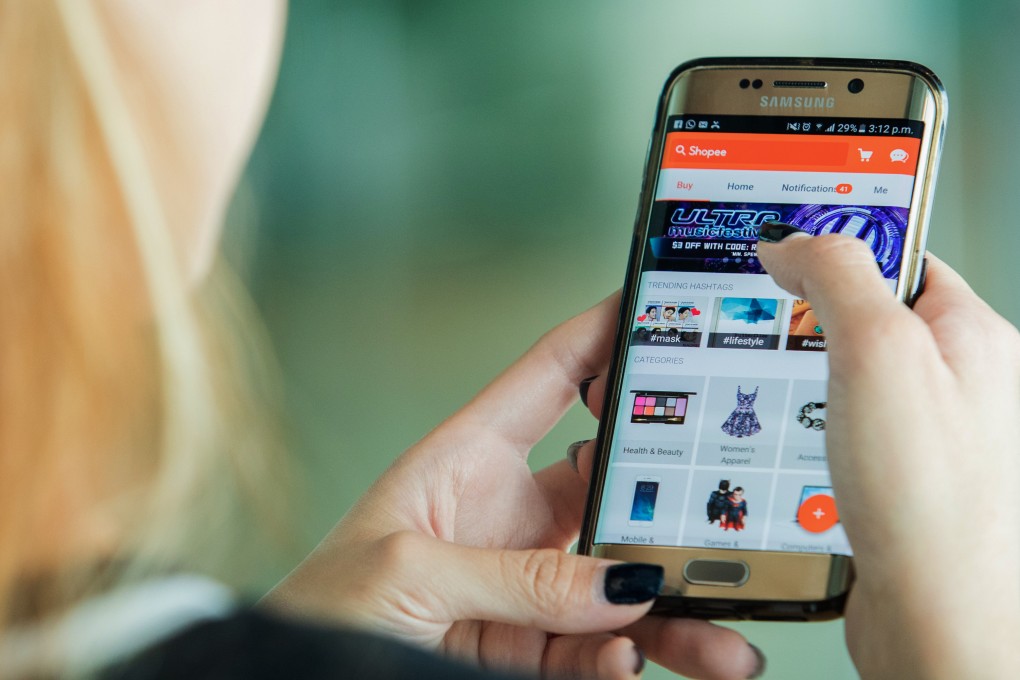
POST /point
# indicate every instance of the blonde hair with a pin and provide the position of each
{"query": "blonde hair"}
(133, 404)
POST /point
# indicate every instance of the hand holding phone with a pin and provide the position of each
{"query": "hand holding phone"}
(464, 531)
(832, 147)
(924, 448)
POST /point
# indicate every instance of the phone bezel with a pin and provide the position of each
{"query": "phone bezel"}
(789, 586)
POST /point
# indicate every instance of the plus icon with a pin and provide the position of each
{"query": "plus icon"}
(817, 513)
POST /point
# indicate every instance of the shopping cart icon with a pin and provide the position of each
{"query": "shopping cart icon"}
(865, 155)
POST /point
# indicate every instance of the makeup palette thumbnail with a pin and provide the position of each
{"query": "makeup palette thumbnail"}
(666, 408)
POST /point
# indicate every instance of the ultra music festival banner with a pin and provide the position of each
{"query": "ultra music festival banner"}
(702, 236)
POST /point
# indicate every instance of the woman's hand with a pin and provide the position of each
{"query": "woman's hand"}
(459, 547)
(923, 437)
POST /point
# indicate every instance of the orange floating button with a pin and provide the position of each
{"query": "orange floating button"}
(817, 514)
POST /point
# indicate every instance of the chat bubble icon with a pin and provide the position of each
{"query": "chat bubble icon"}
(898, 156)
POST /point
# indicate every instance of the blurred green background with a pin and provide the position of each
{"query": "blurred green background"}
(437, 183)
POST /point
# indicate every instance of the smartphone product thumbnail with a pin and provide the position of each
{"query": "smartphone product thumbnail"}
(646, 492)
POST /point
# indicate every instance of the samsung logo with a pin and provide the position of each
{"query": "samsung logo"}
(797, 102)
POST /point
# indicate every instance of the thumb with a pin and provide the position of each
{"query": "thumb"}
(835, 273)
(545, 588)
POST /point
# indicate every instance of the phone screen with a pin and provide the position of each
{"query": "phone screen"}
(723, 397)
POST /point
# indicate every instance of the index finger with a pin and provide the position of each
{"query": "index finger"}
(528, 398)
(837, 274)
(870, 334)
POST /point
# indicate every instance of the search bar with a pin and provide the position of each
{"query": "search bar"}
(753, 152)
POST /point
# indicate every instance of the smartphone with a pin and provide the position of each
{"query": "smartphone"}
(642, 509)
(714, 417)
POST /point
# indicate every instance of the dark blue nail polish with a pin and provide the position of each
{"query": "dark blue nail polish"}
(583, 388)
(633, 583)
(640, 665)
(760, 668)
(774, 232)
(572, 452)
(922, 281)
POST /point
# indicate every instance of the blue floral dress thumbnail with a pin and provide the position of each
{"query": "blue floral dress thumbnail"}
(743, 422)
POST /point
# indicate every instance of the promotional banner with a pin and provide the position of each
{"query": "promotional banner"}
(703, 236)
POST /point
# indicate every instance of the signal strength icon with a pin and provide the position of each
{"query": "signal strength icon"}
(831, 128)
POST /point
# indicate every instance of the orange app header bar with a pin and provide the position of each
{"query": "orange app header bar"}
(811, 153)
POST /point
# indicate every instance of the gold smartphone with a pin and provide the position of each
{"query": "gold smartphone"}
(711, 449)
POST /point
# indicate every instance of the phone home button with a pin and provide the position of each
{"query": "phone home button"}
(716, 572)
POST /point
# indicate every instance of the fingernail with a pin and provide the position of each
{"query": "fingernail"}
(633, 583)
(774, 232)
(640, 664)
(572, 452)
(583, 388)
(759, 670)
